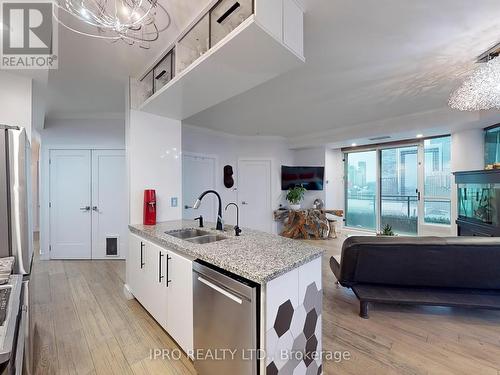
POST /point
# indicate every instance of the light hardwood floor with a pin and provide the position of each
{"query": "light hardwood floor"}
(84, 325)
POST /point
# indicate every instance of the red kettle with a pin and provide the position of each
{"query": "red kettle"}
(149, 207)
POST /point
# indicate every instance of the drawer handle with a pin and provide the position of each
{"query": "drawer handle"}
(220, 290)
(228, 12)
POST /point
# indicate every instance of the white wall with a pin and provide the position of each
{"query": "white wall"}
(35, 179)
(98, 133)
(467, 150)
(72, 134)
(39, 103)
(467, 154)
(154, 158)
(16, 101)
(334, 179)
(228, 149)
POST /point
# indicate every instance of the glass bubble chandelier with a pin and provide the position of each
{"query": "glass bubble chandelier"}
(481, 90)
(132, 21)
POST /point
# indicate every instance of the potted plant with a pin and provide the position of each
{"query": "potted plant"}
(294, 196)
(387, 231)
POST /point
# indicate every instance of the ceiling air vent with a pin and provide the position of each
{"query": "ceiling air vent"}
(382, 137)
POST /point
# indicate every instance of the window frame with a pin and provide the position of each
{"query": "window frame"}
(420, 143)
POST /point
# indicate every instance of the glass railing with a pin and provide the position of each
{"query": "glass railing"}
(361, 211)
(398, 211)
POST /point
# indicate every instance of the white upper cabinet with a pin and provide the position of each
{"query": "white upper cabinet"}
(269, 15)
(293, 26)
(231, 49)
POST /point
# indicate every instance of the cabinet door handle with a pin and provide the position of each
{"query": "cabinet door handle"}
(168, 279)
(142, 254)
(162, 73)
(160, 276)
(235, 6)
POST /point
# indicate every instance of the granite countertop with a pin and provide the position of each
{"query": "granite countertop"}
(255, 255)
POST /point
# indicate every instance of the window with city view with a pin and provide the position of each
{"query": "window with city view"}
(361, 170)
(437, 188)
(400, 188)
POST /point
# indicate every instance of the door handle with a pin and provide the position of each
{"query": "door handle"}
(244, 203)
(220, 290)
(160, 276)
(86, 208)
(142, 254)
(168, 259)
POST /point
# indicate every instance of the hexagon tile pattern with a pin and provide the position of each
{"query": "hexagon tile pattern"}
(311, 297)
(310, 324)
(271, 369)
(311, 347)
(283, 318)
(304, 335)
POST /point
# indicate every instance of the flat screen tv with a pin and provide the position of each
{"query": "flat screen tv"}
(309, 177)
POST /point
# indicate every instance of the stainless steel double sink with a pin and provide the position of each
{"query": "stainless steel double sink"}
(197, 236)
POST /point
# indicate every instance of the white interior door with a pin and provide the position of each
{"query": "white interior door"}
(254, 194)
(70, 204)
(109, 204)
(198, 175)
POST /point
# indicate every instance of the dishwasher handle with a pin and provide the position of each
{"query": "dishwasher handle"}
(220, 290)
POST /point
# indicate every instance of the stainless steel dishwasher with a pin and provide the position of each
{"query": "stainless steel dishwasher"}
(225, 318)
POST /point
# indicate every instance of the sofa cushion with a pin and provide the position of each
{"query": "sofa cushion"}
(458, 262)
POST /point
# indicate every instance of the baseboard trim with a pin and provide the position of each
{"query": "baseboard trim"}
(127, 292)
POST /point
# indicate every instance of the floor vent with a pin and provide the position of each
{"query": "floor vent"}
(111, 246)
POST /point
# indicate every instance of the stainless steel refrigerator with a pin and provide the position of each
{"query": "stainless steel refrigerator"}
(16, 234)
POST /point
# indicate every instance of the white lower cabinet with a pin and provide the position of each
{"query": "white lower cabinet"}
(136, 267)
(180, 300)
(161, 280)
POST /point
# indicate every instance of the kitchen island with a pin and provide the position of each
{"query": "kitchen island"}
(286, 274)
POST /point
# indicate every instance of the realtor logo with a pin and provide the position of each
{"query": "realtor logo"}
(28, 35)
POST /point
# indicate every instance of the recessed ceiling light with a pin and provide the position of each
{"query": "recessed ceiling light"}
(420, 135)
(354, 144)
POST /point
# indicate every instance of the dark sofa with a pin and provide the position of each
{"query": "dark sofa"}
(458, 271)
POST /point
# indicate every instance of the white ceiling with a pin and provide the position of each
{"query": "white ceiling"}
(370, 64)
(367, 61)
(92, 75)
